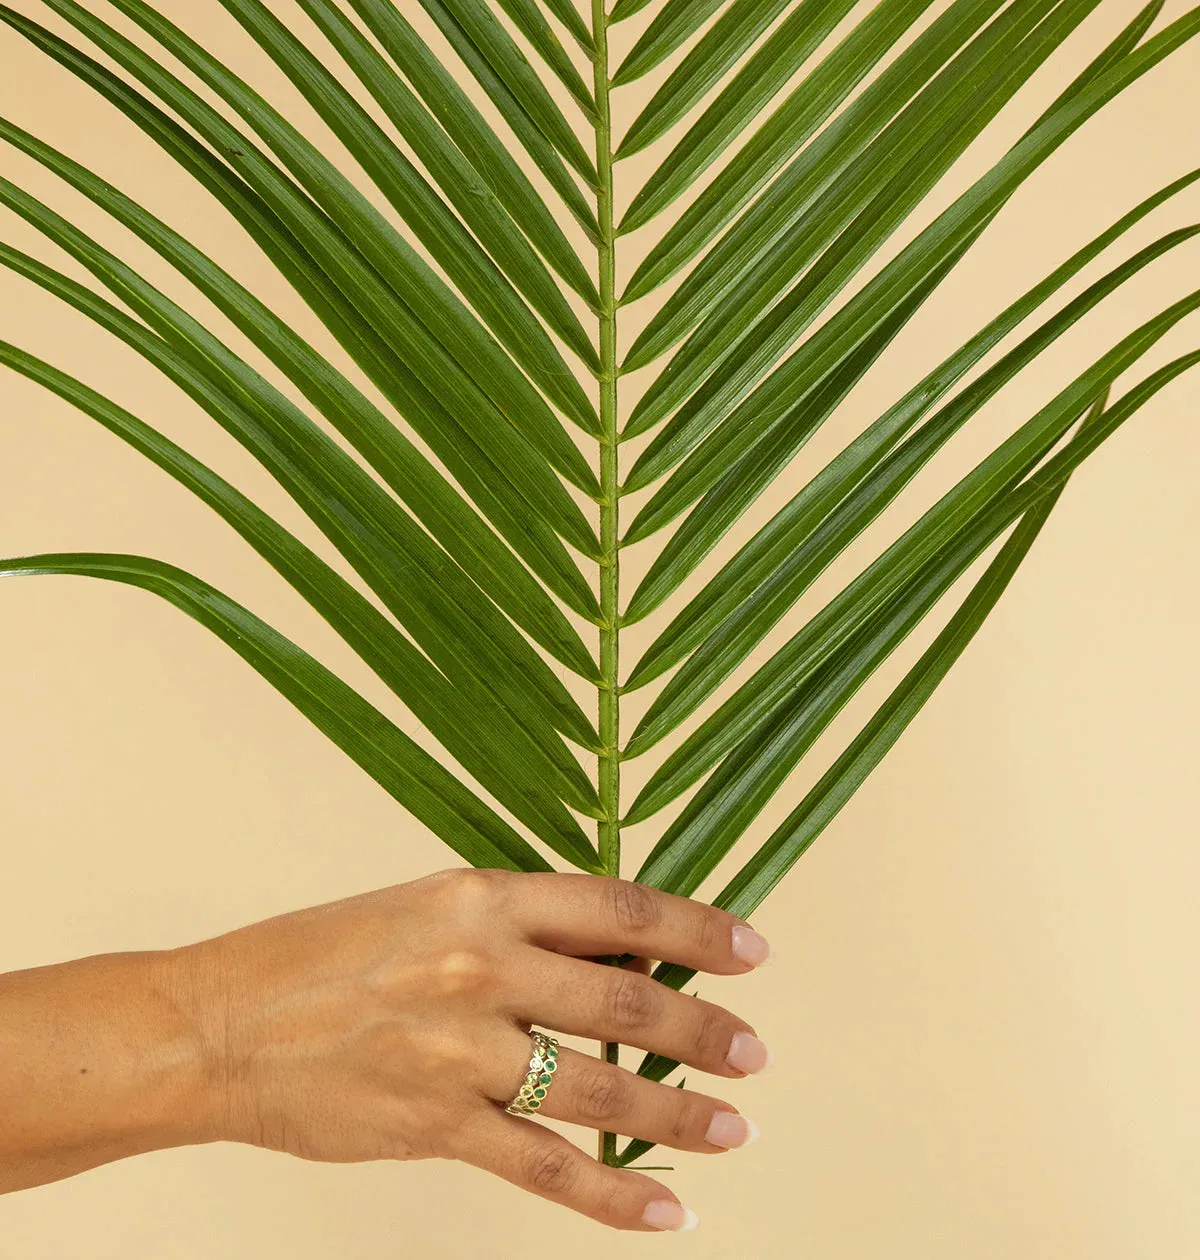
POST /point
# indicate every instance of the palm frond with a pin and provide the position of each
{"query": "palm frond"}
(789, 841)
(396, 460)
(469, 270)
(471, 351)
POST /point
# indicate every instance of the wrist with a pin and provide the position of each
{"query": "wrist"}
(189, 992)
(101, 1058)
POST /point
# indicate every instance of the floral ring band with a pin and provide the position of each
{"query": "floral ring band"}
(542, 1066)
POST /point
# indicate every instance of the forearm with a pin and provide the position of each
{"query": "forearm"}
(100, 1059)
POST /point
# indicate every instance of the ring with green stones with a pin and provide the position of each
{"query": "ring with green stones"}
(542, 1066)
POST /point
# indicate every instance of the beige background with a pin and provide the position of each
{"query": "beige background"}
(984, 1009)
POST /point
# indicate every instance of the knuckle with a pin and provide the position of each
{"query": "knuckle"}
(603, 1096)
(447, 1057)
(553, 1171)
(464, 972)
(714, 1032)
(634, 906)
(690, 1122)
(440, 1068)
(708, 931)
(471, 893)
(632, 1002)
(611, 1205)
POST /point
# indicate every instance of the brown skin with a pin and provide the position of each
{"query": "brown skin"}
(386, 1026)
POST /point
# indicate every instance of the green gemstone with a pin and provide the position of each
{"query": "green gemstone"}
(544, 1079)
(551, 1066)
(533, 1106)
(554, 1052)
(539, 1094)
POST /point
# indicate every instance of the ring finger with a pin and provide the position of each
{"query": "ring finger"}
(600, 1095)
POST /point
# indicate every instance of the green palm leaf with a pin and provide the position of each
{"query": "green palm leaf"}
(949, 520)
(396, 460)
(393, 760)
(497, 751)
(365, 288)
(482, 147)
(790, 840)
(794, 122)
(481, 209)
(466, 470)
(626, 9)
(699, 532)
(383, 543)
(502, 72)
(750, 595)
(528, 19)
(740, 415)
(489, 291)
(722, 47)
(568, 15)
(841, 230)
(673, 24)
(479, 24)
(443, 315)
(464, 450)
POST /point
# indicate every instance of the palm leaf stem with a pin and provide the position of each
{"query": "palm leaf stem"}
(609, 770)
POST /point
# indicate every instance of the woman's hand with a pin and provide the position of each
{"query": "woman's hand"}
(395, 1026)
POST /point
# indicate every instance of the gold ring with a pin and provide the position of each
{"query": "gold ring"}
(542, 1066)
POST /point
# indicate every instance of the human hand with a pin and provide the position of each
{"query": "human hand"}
(394, 1025)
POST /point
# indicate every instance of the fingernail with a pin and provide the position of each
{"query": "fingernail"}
(666, 1214)
(730, 1130)
(750, 947)
(748, 1054)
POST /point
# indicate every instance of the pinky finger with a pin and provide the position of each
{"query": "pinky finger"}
(540, 1161)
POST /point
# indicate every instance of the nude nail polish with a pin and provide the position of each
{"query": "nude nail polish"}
(750, 947)
(730, 1130)
(748, 1054)
(667, 1215)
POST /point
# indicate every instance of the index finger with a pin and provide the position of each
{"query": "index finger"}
(594, 914)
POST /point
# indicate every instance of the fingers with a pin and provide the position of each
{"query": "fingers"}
(600, 1095)
(591, 914)
(545, 1164)
(615, 1004)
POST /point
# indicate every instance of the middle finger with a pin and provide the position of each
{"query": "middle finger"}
(607, 1003)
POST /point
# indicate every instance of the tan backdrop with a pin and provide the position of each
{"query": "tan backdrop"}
(984, 1007)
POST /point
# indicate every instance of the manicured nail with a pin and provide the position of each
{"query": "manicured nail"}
(748, 1054)
(730, 1130)
(750, 947)
(665, 1214)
